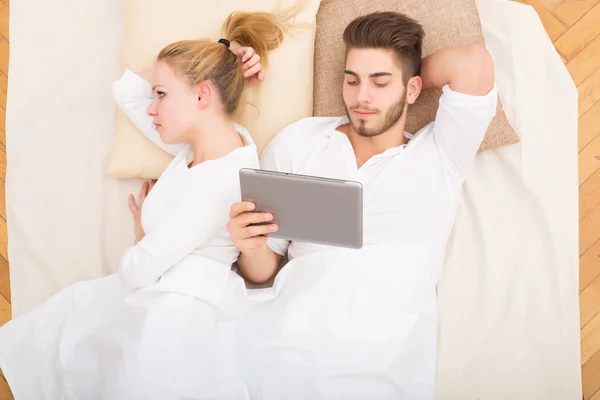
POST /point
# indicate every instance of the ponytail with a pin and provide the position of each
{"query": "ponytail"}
(203, 59)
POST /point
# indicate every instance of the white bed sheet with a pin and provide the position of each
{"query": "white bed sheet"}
(508, 298)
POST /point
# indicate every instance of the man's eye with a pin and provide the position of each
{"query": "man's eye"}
(352, 83)
(381, 85)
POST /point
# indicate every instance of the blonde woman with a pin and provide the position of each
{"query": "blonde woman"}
(162, 326)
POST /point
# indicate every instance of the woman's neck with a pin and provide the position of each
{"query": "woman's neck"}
(217, 139)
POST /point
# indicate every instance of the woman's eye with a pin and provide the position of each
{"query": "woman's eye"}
(160, 94)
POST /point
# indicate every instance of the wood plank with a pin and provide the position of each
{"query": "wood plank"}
(5, 393)
(589, 92)
(4, 21)
(5, 311)
(3, 125)
(596, 396)
(4, 56)
(4, 279)
(589, 302)
(590, 339)
(571, 11)
(2, 199)
(3, 239)
(591, 376)
(4, 89)
(588, 231)
(585, 62)
(553, 26)
(589, 160)
(589, 196)
(3, 163)
(589, 266)
(589, 127)
(551, 5)
(582, 33)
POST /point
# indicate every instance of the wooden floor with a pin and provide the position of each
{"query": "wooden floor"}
(574, 27)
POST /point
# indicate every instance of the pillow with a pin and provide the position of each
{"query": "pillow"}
(446, 23)
(265, 109)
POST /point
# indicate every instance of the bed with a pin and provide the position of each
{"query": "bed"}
(508, 298)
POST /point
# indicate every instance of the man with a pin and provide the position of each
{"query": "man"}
(363, 324)
(384, 73)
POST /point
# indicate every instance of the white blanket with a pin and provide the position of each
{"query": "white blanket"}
(508, 296)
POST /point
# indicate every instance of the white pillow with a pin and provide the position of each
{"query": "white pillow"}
(285, 96)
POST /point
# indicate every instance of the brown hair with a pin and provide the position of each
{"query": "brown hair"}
(203, 59)
(389, 30)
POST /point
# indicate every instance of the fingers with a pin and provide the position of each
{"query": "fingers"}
(240, 207)
(254, 218)
(143, 193)
(258, 230)
(243, 229)
(132, 206)
(252, 61)
(152, 183)
(253, 70)
(246, 53)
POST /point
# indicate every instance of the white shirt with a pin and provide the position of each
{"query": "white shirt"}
(411, 191)
(185, 215)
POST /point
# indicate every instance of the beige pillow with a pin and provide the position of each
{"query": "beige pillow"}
(446, 23)
(283, 97)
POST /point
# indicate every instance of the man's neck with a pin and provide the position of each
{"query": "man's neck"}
(367, 147)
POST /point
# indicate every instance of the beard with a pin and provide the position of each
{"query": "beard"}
(392, 116)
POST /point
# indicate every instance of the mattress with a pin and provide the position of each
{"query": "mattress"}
(509, 318)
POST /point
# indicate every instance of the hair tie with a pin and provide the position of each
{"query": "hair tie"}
(225, 42)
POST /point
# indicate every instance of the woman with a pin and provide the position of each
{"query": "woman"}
(163, 326)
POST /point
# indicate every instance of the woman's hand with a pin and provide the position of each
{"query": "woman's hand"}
(253, 70)
(136, 210)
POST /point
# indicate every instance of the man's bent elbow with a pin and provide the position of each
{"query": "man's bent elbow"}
(479, 69)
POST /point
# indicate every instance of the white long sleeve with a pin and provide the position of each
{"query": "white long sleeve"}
(134, 95)
(194, 218)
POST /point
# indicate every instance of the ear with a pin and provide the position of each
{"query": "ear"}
(413, 89)
(204, 94)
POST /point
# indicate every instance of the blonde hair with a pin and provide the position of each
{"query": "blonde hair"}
(202, 59)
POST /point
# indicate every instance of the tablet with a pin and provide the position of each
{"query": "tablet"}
(307, 208)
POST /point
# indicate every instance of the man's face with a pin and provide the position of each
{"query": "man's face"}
(374, 92)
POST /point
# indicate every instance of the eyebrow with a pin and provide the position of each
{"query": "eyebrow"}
(375, 75)
(154, 87)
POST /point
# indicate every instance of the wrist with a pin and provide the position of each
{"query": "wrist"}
(256, 251)
(139, 234)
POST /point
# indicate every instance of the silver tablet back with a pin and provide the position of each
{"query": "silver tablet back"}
(307, 208)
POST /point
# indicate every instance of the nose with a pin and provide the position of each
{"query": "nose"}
(364, 94)
(152, 109)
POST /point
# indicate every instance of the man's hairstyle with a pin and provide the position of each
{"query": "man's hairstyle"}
(389, 30)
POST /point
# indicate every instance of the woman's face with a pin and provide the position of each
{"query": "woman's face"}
(175, 108)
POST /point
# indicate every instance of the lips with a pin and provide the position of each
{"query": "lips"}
(156, 126)
(364, 114)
